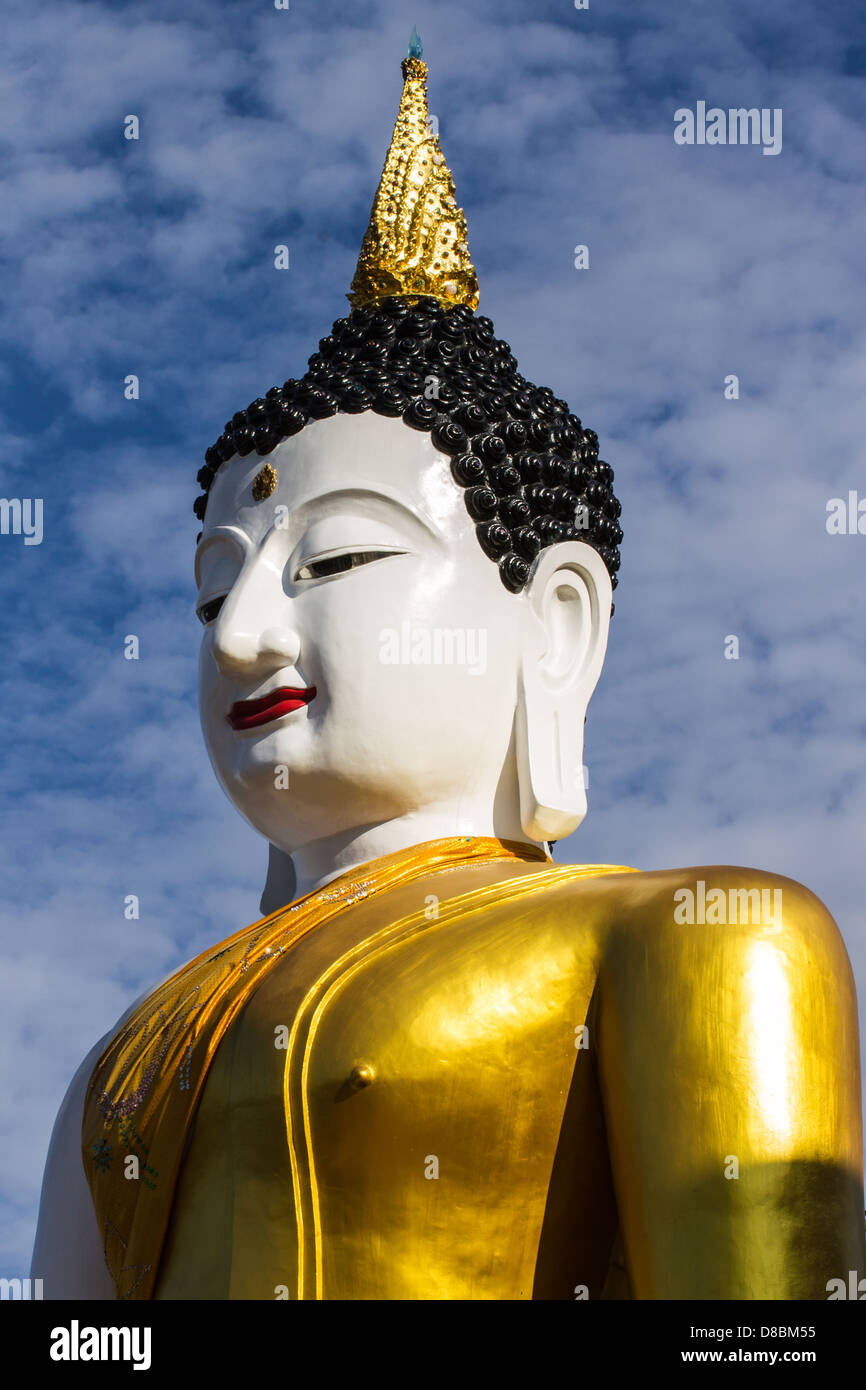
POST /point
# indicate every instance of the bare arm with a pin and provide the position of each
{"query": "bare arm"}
(67, 1254)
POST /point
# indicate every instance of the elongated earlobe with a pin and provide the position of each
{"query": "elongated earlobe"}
(570, 593)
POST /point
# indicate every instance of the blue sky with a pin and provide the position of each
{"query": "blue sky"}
(155, 257)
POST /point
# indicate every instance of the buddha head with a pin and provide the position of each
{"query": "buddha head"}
(405, 571)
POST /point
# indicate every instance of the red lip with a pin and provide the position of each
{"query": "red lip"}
(248, 714)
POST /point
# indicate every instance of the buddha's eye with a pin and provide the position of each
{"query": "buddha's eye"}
(336, 564)
(209, 610)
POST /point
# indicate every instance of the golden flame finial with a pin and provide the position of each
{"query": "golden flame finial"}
(416, 242)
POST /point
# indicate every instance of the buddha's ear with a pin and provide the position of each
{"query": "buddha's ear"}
(569, 591)
(279, 887)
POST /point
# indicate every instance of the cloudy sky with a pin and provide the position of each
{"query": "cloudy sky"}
(155, 257)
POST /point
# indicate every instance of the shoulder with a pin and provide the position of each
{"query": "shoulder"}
(745, 904)
(707, 912)
(728, 931)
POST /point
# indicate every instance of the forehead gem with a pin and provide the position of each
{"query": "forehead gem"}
(264, 482)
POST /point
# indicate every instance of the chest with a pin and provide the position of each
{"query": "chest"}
(393, 1121)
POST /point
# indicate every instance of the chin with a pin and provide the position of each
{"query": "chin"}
(258, 752)
(319, 800)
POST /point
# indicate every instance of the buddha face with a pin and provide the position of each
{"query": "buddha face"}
(361, 657)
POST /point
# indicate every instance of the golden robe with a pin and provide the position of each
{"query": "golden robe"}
(464, 1072)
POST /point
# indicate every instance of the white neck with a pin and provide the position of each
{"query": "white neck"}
(320, 861)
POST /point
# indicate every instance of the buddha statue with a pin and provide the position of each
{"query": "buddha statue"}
(443, 1066)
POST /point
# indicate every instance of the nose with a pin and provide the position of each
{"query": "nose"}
(254, 633)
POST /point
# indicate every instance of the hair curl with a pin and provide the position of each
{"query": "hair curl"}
(530, 472)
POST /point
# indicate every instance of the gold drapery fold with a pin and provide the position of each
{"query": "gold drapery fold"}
(146, 1084)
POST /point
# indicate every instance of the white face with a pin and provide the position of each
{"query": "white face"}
(360, 578)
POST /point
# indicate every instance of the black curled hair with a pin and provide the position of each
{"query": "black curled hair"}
(530, 472)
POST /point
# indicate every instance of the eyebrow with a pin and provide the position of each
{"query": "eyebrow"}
(380, 501)
(389, 507)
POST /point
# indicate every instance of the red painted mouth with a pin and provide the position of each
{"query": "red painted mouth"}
(248, 714)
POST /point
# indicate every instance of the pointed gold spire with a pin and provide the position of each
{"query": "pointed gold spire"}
(416, 242)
